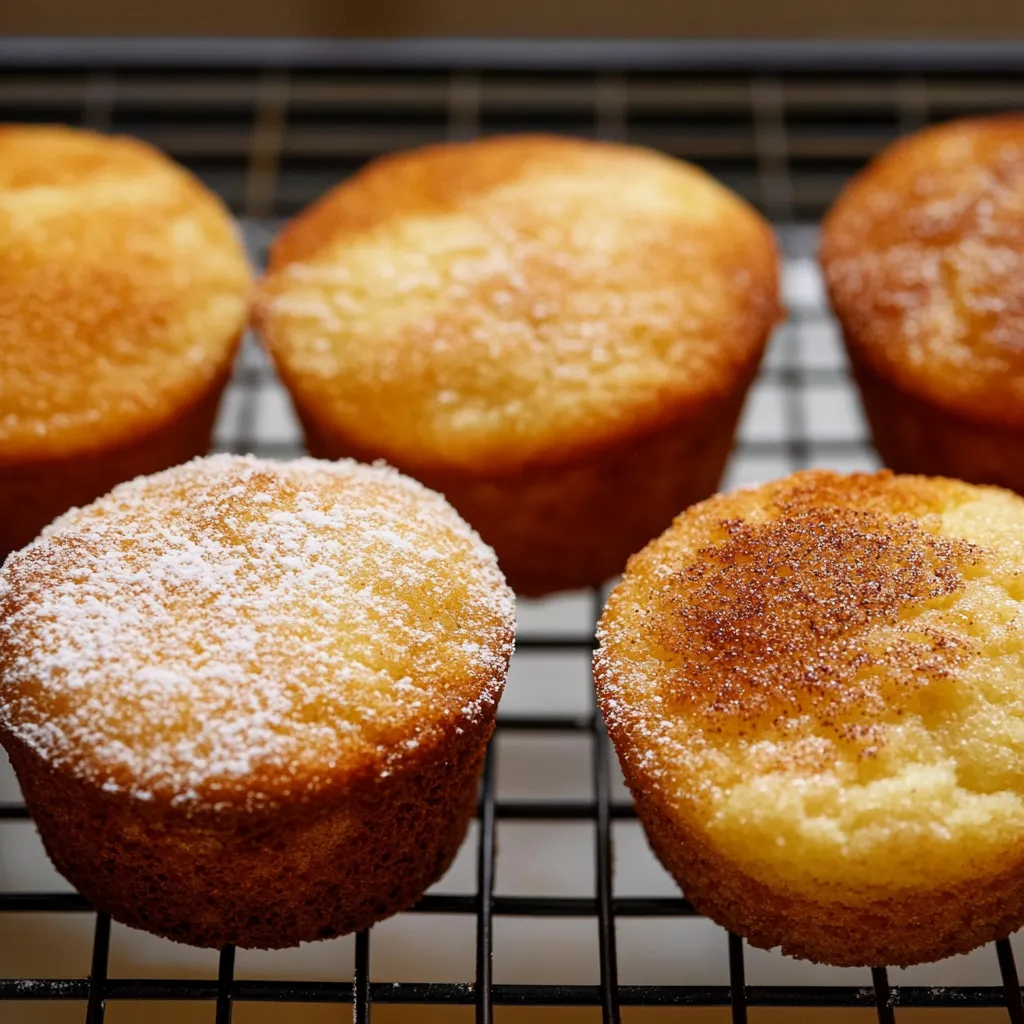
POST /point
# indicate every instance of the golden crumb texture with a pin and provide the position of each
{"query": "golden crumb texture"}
(816, 690)
(516, 301)
(123, 292)
(249, 702)
(236, 633)
(922, 253)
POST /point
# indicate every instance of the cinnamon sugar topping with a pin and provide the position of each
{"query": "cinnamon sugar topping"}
(777, 617)
(824, 676)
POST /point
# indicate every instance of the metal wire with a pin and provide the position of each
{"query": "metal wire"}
(97, 1004)
(604, 908)
(1011, 984)
(485, 894)
(361, 995)
(603, 863)
(264, 165)
(225, 979)
(883, 995)
(464, 994)
(737, 980)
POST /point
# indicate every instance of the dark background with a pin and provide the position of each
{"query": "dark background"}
(869, 19)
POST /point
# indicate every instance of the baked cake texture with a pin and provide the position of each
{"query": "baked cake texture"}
(124, 292)
(247, 701)
(924, 258)
(816, 691)
(555, 334)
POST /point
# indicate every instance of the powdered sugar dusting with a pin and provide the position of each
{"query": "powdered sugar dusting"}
(237, 630)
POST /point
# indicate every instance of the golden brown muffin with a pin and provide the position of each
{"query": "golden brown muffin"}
(248, 701)
(555, 334)
(123, 295)
(923, 257)
(816, 690)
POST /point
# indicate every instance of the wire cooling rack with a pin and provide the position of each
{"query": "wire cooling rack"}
(270, 136)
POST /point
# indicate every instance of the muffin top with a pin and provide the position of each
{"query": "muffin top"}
(515, 300)
(825, 675)
(235, 633)
(924, 257)
(123, 289)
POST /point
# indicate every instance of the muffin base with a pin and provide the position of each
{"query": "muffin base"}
(33, 493)
(847, 929)
(268, 878)
(575, 523)
(913, 435)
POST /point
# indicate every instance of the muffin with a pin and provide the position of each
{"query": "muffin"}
(556, 334)
(922, 255)
(816, 690)
(248, 702)
(123, 296)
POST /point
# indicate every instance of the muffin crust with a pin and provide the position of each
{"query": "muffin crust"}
(248, 702)
(123, 295)
(814, 689)
(483, 314)
(922, 256)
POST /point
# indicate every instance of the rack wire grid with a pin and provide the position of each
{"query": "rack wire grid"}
(270, 126)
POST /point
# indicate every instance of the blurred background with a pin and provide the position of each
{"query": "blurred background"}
(868, 19)
(783, 101)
